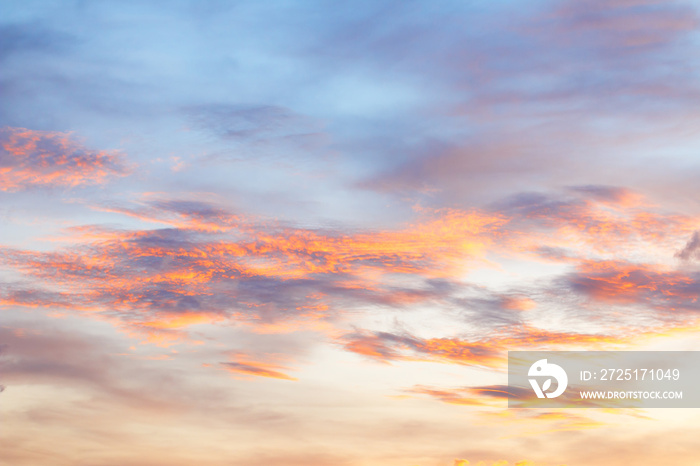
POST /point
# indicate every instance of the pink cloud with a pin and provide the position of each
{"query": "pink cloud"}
(30, 158)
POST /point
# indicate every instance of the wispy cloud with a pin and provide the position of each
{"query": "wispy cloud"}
(243, 364)
(488, 351)
(653, 286)
(491, 395)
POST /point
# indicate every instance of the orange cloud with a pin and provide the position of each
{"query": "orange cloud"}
(30, 158)
(213, 265)
(488, 351)
(604, 220)
(627, 283)
(243, 365)
(259, 273)
(518, 303)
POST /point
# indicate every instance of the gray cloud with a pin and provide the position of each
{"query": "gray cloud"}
(691, 249)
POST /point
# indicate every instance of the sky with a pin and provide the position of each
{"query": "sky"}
(308, 233)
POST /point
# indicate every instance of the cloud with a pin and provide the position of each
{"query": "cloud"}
(59, 357)
(380, 345)
(654, 286)
(541, 97)
(691, 249)
(615, 195)
(215, 266)
(212, 265)
(596, 219)
(486, 351)
(187, 214)
(490, 395)
(32, 159)
(72, 374)
(248, 122)
(604, 213)
(518, 303)
(244, 365)
(31, 38)
(251, 131)
(627, 25)
(487, 309)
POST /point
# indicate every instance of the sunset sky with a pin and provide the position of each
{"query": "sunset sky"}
(307, 233)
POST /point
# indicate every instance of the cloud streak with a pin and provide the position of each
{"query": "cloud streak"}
(243, 365)
(487, 351)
